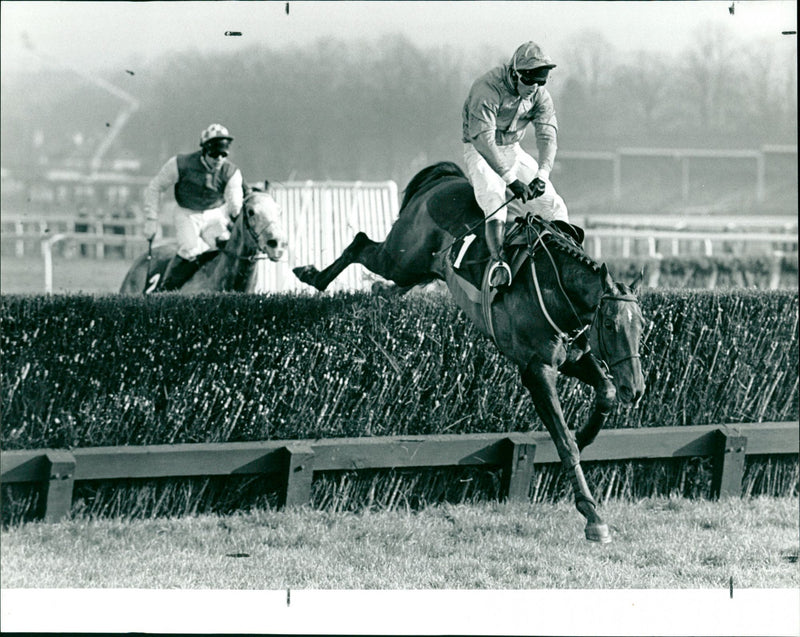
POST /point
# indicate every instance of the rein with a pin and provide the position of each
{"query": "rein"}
(569, 339)
(561, 333)
(471, 229)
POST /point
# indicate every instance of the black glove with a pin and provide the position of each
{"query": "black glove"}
(537, 188)
(521, 191)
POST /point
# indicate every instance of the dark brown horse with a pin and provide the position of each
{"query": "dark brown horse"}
(562, 312)
(258, 232)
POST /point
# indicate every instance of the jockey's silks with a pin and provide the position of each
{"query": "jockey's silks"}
(494, 105)
(199, 188)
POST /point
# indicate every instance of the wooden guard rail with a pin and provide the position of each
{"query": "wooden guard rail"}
(297, 460)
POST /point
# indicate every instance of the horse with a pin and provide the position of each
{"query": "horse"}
(258, 232)
(562, 312)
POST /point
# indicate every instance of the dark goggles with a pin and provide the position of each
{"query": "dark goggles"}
(216, 153)
(529, 77)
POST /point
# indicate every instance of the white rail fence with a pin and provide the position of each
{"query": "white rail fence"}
(684, 158)
(323, 217)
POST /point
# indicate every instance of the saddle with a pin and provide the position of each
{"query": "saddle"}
(469, 255)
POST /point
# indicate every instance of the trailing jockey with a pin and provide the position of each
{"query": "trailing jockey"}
(208, 193)
(500, 105)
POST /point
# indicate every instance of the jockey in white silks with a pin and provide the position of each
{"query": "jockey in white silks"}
(208, 194)
(500, 105)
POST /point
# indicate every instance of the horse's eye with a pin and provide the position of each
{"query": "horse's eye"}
(272, 243)
(609, 324)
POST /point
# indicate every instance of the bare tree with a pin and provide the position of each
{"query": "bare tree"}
(590, 59)
(711, 78)
(643, 85)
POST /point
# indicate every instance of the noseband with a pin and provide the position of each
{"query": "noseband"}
(252, 232)
(627, 298)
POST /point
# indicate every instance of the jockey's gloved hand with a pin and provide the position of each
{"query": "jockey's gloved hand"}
(537, 187)
(150, 229)
(521, 191)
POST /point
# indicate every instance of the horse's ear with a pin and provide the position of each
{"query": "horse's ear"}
(266, 185)
(637, 282)
(607, 281)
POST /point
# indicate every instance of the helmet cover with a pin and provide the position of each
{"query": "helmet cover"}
(215, 131)
(529, 56)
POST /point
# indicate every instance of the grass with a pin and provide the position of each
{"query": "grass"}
(657, 543)
(92, 276)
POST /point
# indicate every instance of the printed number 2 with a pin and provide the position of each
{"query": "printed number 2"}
(152, 283)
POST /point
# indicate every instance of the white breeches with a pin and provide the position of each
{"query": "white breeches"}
(197, 231)
(490, 189)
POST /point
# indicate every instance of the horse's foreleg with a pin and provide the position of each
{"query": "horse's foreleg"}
(587, 369)
(361, 250)
(540, 381)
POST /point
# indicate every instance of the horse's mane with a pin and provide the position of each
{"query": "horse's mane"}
(564, 244)
(428, 176)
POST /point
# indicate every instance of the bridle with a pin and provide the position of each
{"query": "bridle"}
(253, 235)
(570, 337)
(625, 298)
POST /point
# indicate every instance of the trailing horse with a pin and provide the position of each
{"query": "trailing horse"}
(257, 233)
(562, 312)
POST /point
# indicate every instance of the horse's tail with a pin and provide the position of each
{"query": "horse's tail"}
(427, 177)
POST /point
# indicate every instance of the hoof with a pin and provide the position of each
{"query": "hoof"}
(598, 533)
(305, 273)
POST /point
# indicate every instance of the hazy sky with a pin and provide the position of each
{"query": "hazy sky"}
(104, 34)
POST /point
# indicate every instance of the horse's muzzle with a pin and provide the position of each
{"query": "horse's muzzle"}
(630, 395)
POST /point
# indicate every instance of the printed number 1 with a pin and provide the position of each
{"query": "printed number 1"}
(152, 283)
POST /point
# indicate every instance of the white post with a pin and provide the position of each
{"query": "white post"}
(19, 230)
(775, 270)
(100, 249)
(626, 247)
(596, 249)
(47, 255)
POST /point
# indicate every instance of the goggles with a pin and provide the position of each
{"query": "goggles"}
(216, 153)
(529, 77)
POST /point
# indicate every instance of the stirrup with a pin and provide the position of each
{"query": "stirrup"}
(505, 279)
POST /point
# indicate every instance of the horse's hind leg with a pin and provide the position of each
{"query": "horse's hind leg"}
(540, 381)
(361, 250)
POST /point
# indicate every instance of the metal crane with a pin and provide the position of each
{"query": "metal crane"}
(131, 104)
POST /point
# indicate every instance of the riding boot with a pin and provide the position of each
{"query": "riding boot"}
(499, 273)
(179, 271)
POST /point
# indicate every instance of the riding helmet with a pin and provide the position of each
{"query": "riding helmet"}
(215, 131)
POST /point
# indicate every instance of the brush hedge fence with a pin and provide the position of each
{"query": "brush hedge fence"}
(83, 371)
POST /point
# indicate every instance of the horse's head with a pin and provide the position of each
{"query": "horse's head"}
(262, 219)
(618, 325)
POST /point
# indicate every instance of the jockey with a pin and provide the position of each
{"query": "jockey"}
(208, 193)
(500, 104)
